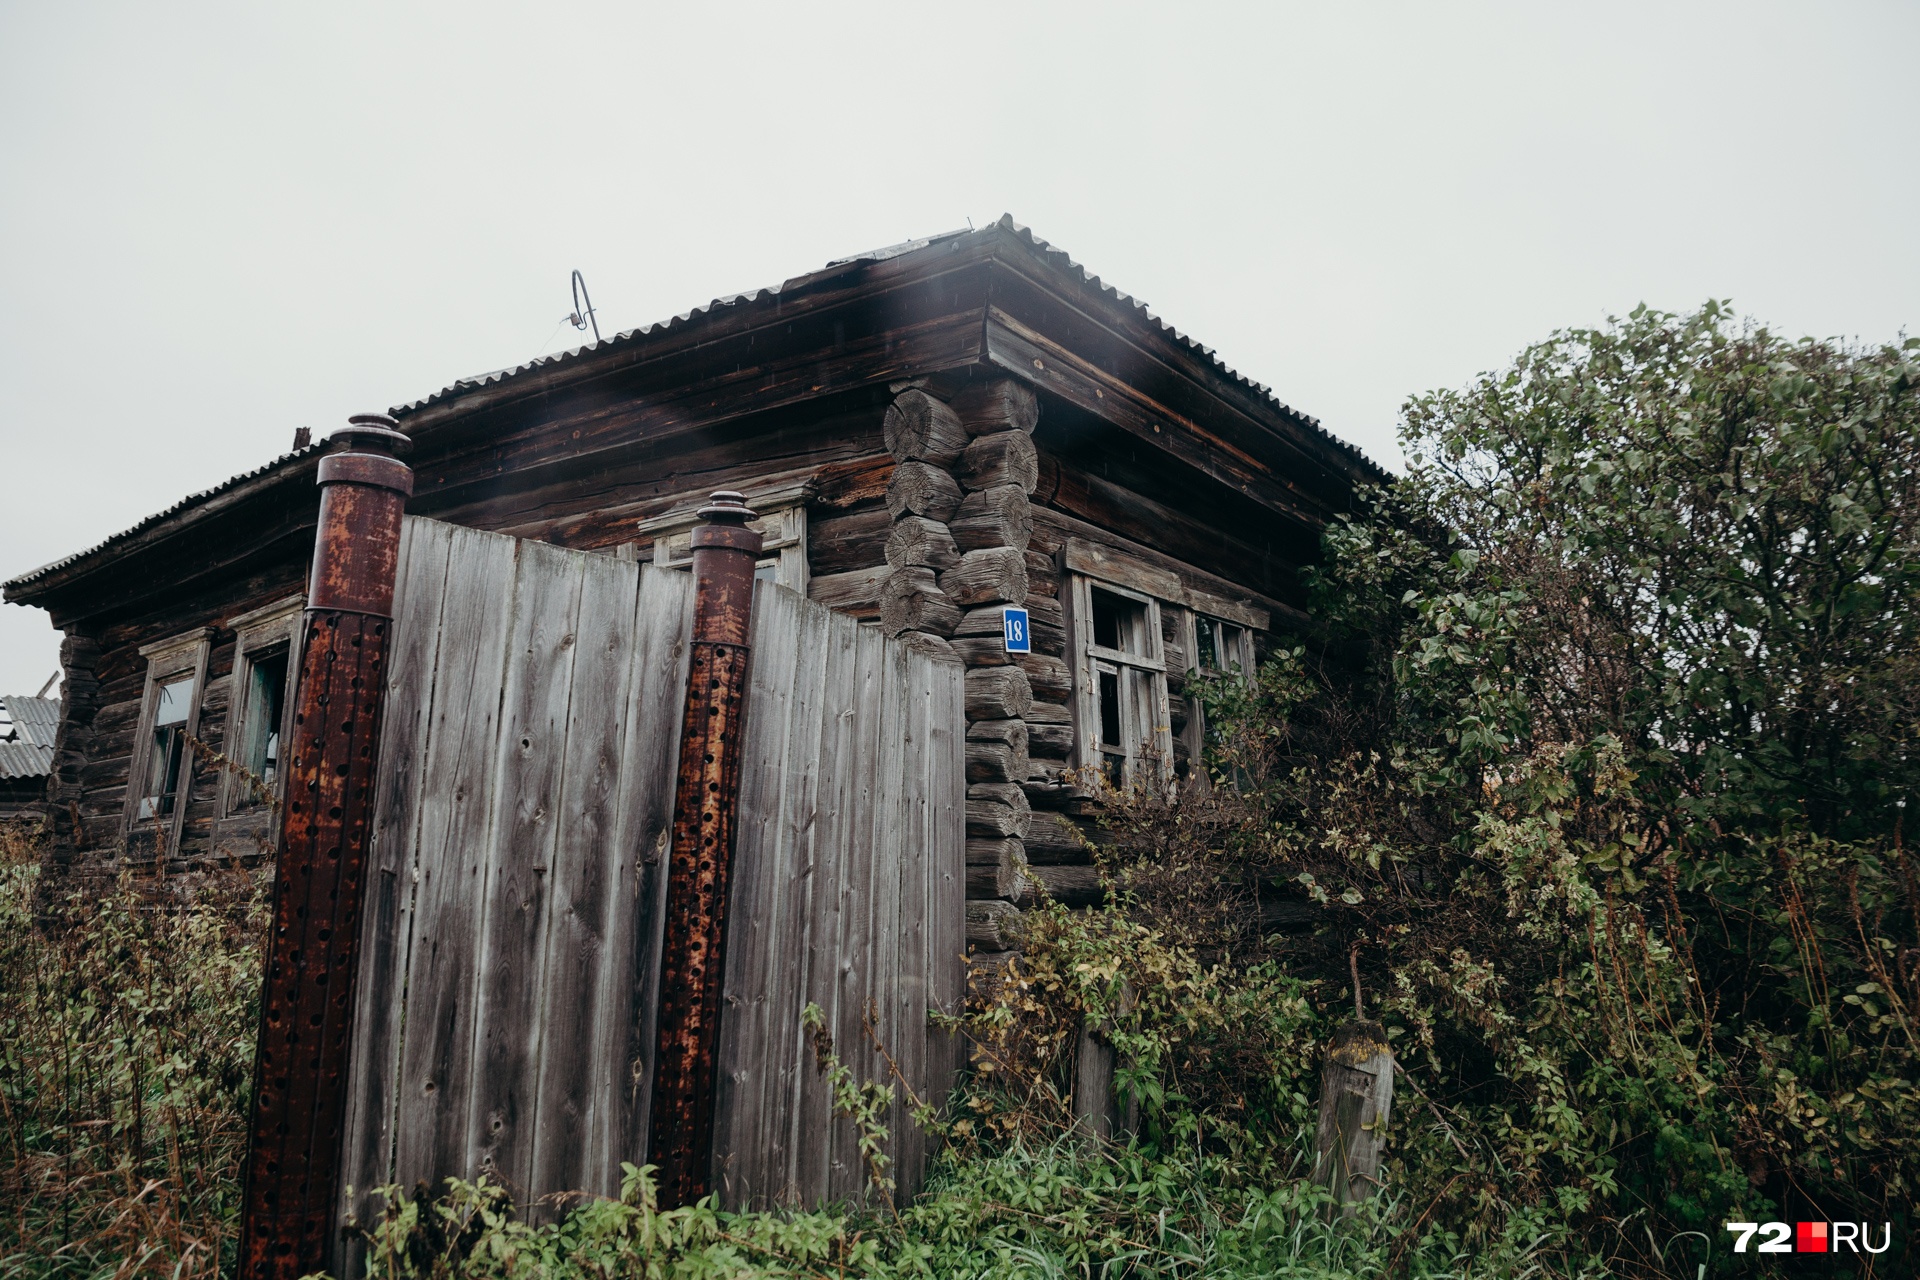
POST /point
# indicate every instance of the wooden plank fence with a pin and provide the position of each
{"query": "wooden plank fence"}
(512, 928)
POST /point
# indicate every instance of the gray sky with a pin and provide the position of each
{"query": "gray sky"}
(220, 223)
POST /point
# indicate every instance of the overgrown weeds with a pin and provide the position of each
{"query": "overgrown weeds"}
(126, 1054)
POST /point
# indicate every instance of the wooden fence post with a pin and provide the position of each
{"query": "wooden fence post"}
(306, 1003)
(1356, 1099)
(705, 808)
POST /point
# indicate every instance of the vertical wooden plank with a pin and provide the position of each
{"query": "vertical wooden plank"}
(818, 977)
(946, 785)
(754, 912)
(582, 885)
(631, 970)
(366, 1161)
(845, 1173)
(891, 846)
(799, 819)
(430, 1140)
(872, 952)
(545, 602)
(908, 1024)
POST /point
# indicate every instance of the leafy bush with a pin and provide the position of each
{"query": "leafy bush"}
(1598, 773)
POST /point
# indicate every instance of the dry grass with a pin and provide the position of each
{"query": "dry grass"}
(126, 1049)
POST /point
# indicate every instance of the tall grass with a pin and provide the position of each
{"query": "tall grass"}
(126, 1053)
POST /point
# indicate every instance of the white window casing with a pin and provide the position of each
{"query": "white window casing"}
(1121, 720)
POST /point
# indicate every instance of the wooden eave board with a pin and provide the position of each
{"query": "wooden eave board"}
(1141, 381)
(988, 297)
(911, 281)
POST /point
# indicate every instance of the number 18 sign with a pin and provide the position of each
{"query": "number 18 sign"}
(1019, 637)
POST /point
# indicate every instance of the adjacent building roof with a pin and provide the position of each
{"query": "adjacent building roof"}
(26, 737)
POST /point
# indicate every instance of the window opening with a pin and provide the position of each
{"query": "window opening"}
(1220, 646)
(266, 702)
(782, 526)
(1123, 695)
(166, 750)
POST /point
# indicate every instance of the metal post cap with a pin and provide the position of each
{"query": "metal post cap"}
(373, 432)
(727, 506)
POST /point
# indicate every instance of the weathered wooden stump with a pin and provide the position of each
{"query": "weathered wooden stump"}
(1356, 1099)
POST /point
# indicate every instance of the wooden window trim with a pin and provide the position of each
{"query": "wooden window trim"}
(782, 526)
(1191, 639)
(255, 634)
(1089, 657)
(1195, 733)
(167, 660)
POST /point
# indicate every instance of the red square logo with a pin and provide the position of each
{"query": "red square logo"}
(1809, 1237)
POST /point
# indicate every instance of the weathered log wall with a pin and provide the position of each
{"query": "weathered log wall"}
(929, 508)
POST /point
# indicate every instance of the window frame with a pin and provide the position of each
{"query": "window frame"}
(258, 634)
(1091, 659)
(1195, 731)
(781, 523)
(167, 661)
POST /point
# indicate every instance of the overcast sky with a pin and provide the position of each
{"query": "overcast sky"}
(221, 223)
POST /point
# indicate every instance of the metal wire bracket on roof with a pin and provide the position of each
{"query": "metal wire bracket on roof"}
(582, 317)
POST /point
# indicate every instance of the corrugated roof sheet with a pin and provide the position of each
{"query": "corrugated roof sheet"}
(24, 760)
(36, 720)
(191, 500)
(1056, 257)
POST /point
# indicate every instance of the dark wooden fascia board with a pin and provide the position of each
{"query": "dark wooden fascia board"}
(609, 420)
(1019, 350)
(799, 301)
(1233, 407)
(94, 572)
(1141, 391)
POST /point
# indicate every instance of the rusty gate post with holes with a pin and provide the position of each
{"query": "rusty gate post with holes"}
(705, 805)
(306, 1004)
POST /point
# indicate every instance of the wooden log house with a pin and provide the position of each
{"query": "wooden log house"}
(929, 432)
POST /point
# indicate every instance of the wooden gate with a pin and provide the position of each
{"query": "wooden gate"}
(508, 974)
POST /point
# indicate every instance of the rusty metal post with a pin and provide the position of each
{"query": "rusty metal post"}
(705, 805)
(306, 1005)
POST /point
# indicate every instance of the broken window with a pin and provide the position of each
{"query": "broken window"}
(261, 714)
(1121, 684)
(266, 662)
(1221, 646)
(1217, 646)
(166, 749)
(161, 771)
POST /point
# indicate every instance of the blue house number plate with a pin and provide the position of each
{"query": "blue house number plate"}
(1019, 638)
